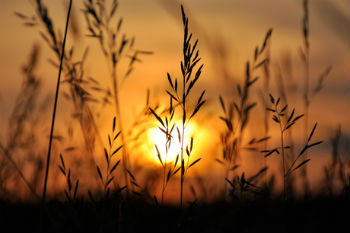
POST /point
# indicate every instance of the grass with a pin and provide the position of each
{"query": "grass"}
(111, 166)
(55, 104)
(115, 47)
(285, 125)
(180, 96)
(236, 116)
(72, 190)
(167, 128)
(123, 199)
(307, 94)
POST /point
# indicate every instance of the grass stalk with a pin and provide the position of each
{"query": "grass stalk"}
(306, 82)
(189, 78)
(167, 127)
(115, 46)
(284, 125)
(283, 155)
(120, 122)
(187, 66)
(236, 124)
(167, 145)
(182, 163)
(55, 104)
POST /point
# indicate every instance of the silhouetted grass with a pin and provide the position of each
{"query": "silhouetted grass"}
(236, 117)
(253, 205)
(115, 46)
(180, 93)
(55, 103)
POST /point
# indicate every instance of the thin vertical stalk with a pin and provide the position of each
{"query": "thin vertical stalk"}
(190, 59)
(120, 122)
(182, 163)
(283, 156)
(182, 139)
(283, 164)
(183, 122)
(164, 170)
(55, 104)
(306, 110)
(227, 177)
(163, 189)
(306, 33)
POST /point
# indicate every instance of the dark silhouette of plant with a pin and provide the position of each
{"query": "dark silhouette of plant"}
(55, 104)
(80, 87)
(111, 166)
(115, 47)
(236, 115)
(181, 95)
(70, 193)
(241, 184)
(167, 127)
(308, 91)
(285, 123)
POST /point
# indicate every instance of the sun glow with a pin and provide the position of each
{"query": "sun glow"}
(157, 137)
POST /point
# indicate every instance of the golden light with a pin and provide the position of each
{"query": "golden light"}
(157, 137)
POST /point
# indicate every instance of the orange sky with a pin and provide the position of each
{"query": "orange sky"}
(236, 25)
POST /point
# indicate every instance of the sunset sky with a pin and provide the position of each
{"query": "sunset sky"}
(234, 27)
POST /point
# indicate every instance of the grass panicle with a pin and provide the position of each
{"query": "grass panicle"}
(104, 25)
(236, 114)
(167, 127)
(112, 163)
(72, 190)
(179, 94)
(285, 122)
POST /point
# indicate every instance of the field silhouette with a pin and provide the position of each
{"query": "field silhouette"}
(236, 152)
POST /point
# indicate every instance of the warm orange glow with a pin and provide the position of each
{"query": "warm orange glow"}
(157, 137)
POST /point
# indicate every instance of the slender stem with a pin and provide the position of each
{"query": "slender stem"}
(182, 162)
(164, 169)
(182, 138)
(284, 167)
(227, 177)
(307, 105)
(117, 106)
(306, 91)
(55, 104)
(163, 189)
(283, 159)
(107, 171)
(306, 82)
(183, 134)
(292, 165)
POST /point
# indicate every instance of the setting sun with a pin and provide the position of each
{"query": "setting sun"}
(157, 137)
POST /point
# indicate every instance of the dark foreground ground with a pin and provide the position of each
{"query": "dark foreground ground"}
(314, 215)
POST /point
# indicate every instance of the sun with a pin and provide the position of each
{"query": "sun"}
(157, 137)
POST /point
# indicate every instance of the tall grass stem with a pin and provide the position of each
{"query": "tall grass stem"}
(55, 104)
